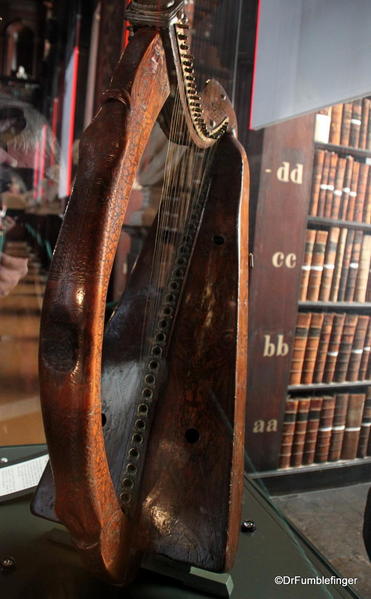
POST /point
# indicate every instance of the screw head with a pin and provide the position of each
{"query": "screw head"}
(4, 460)
(248, 526)
(7, 563)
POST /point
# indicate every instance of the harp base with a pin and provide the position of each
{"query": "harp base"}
(210, 583)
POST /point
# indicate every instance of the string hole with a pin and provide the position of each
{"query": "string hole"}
(134, 453)
(137, 438)
(179, 272)
(127, 483)
(156, 350)
(125, 497)
(140, 424)
(153, 365)
(168, 311)
(150, 379)
(147, 393)
(131, 468)
(192, 435)
(170, 298)
(142, 409)
(163, 324)
(181, 261)
(218, 239)
(161, 337)
(174, 286)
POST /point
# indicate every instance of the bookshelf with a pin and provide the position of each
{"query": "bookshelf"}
(323, 289)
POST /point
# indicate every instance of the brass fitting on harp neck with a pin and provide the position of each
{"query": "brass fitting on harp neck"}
(158, 13)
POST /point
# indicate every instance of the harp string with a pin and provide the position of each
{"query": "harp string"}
(184, 173)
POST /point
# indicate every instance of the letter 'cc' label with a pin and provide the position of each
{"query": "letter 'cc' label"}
(279, 259)
(287, 173)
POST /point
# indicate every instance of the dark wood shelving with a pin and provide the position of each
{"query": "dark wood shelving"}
(333, 222)
(345, 150)
(335, 306)
(315, 476)
(328, 386)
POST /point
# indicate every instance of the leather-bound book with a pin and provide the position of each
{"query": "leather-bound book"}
(353, 426)
(357, 348)
(361, 194)
(316, 268)
(312, 430)
(338, 265)
(345, 124)
(325, 429)
(300, 432)
(365, 354)
(366, 218)
(330, 185)
(305, 269)
(300, 342)
(329, 264)
(345, 266)
(317, 177)
(311, 348)
(339, 184)
(324, 183)
(346, 187)
(364, 434)
(338, 427)
(363, 270)
(323, 347)
(346, 344)
(355, 123)
(368, 142)
(364, 123)
(353, 266)
(333, 348)
(347, 210)
(288, 430)
(335, 126)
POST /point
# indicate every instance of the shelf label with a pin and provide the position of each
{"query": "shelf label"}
(280, 259)
(271, 349)
(21, 476)
(285, 173)
(265, 426)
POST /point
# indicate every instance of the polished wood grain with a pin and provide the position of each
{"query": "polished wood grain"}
(73, 316)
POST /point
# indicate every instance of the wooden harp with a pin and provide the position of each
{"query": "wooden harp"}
(163, 472)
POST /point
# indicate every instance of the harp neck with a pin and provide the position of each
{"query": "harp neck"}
(208, 114)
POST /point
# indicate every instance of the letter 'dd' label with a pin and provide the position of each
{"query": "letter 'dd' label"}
(286, 173)
(271, 349)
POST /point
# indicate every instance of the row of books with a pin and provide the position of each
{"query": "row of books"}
(331, 347)
(351, 124)
(326, 429)
(336, 266)
(341, 188)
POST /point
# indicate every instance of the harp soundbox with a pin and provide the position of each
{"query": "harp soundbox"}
(144, 418)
